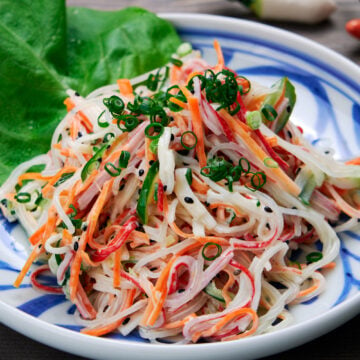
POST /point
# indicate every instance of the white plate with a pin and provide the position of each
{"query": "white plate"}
(328, 91)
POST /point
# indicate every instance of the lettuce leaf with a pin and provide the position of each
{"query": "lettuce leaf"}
(46, 48)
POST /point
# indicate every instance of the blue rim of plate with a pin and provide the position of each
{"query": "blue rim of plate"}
(355, 300)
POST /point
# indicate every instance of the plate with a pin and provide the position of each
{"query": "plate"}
(328, 90)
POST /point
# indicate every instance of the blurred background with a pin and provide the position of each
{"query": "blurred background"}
(330, 32)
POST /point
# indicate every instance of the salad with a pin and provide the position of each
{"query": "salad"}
(183, 203)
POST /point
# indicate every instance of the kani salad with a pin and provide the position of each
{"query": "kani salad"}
(174, 203)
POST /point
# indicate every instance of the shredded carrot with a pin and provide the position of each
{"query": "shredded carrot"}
(125, 87)
(355, 161)
(197, 125)
(309, 290)
(255, 103)
(272, 141)
(117, 268)
(33, 255)
(220, 57)
(86, 258)
(329, 266)
(215, 239)
(66, 237)
(69, 104)
(49, 186)
(32, 176)
(86, 238)
(37, 235)
(178, 102)
(199, 186)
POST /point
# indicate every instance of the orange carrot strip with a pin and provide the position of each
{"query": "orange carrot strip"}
(66, 237)
(86, 237)
(329, 266)
(355, 161)
(125, 87)
(272, 141)
(215, 239)
(68, 169)
(220, 57)
(308, 290)
(179, 323)
(86, 258)
(178, 102)
(199, 186)
(32, 176)
(37, 235)
(117, 268)
(197, 125)
(33, 255)
(105, 329)
(69, 104)
(284, 181)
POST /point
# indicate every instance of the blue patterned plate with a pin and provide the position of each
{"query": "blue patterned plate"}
(328, 93)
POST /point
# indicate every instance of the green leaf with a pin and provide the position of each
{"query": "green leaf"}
(43, 53)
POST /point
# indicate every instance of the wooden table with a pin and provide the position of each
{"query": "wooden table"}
(341, 343)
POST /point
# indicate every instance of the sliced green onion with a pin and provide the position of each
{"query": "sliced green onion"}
(219, 251)
(182, 140)
(157, 128)
(102, 124)
(23, 197)
(188, 176)
(253, 119)
(184, 49)
(176, 62)
(93, 163)
(130, 122)
(115, 105)
(112, 170)
(233, 215)
(241, 88)
(74, 213)
(314, 257)
(124, 159)
(269, 112)
(296, 263)
(38, 199)
(258, 180)
(108, 136)
(258, 203)
(270, 163)
(64, 177)
(247, 167)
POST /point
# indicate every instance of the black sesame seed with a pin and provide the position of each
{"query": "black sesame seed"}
(181, 291)
(165, 187)
(172, 137)
(76, 246)
(294, 208)
(297, 171)
(268, 209)
(288, 108)
(327, 152)
(309, 227)
(77, 94)
(141, 172)
(268, 226)
(171, 118)
(80, 134)
(188, 200)
(151, 162)
(105, 308)
(99, 160)
(121, 187)
(126, 321)
(185, 164)
(153, 269)
(289, 134)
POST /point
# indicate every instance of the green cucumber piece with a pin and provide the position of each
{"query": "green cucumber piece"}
(147, 192)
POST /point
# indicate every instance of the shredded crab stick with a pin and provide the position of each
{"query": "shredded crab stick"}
(166, 213)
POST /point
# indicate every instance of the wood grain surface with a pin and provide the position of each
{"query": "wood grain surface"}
(340, 344)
